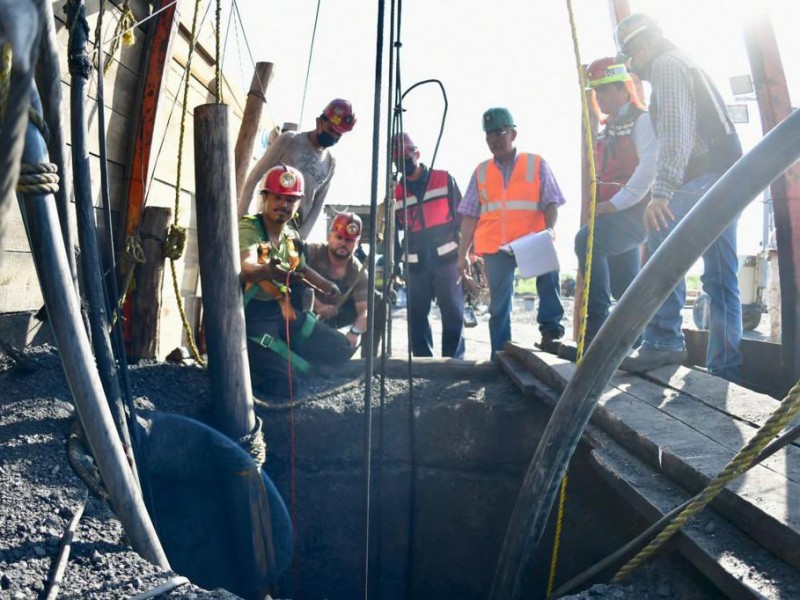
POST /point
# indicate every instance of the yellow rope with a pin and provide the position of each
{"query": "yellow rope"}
(172, 258)
(783, 415)
(218, 63)
(5, 78)
(123, 32)
(587, 270)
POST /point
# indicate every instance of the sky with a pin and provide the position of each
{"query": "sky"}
(512, 53)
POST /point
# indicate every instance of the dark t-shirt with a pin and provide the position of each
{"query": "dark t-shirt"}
(317, 259)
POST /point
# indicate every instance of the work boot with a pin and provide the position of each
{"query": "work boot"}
(647, 359)
(549, 342)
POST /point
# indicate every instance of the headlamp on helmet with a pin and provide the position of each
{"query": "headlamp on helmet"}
(339, 113)
(347, 225)
(606, 70)
(283, 179)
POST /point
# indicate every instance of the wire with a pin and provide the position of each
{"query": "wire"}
(308, 67)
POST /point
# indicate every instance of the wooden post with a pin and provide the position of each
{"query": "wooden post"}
(222, 304)
(256, 98)
(146, 298)
(774, 105)
(219, 269)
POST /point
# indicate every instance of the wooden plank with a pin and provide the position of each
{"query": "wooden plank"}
(738, 566)
(521, 377)
(762, 502)
(735, 400)
(761, 362)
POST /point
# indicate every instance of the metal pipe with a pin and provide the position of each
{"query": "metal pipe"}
(690, 239)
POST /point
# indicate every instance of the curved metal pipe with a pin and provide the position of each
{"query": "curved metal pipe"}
(690, 239)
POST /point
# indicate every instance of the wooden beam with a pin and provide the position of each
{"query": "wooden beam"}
(774, 105)
(256, 98)
(146, 295)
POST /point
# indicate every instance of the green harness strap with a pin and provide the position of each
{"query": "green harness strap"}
(282, 350)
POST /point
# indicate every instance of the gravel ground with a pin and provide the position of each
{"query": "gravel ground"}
(40, 492)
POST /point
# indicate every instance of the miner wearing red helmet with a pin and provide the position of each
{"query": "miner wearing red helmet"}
(275, 271)
(697, 143)
(335, 260)
(426, 210)
(309, 151)
(626, 153)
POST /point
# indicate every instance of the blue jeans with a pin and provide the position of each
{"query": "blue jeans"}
(615, 260)
(438, 280)
(720, 282)
(500, 273)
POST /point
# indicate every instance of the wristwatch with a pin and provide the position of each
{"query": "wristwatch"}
(355, 330)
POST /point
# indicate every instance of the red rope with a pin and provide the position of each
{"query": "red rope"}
(296, 558)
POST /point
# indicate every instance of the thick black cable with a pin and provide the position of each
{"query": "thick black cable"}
(80, 67)
(308, 66)
(408, 225)
(371, 297)
(111, 289)
(387, 322)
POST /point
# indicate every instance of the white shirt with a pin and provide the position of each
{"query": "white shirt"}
(646, 144)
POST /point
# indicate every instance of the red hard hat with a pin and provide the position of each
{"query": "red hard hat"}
(340, 114)
(347, 225)
(402, 144)
(606, 70)
(283, 179)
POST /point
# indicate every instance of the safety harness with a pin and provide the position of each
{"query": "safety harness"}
(282, 294)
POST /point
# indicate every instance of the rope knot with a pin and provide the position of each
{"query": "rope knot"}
(255, 443)
(175, 242)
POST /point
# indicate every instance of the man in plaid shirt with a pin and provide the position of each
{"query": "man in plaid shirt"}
(697, 143)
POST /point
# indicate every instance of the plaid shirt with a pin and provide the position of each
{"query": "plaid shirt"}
(549, 190)
(676, 122)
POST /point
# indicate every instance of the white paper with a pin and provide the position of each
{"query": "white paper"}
(535, 254)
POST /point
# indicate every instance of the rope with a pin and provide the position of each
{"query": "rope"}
(587, 269)
(292, 476)
(122, 33)
(783, 415)
(5, 79)
(175, 242)
(255, 444)
(173, 233)
(38, 179)
(133, 255)
(218, 58)
(308, 67)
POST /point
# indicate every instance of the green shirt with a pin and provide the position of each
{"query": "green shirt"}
(252, 233)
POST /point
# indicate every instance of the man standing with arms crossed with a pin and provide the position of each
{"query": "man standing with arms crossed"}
(309, 152)
(697, 143)
(509, 196)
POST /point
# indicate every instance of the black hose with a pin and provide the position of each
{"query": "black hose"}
(80, 67)
(696, 232)
(371, 286)
(48, 81)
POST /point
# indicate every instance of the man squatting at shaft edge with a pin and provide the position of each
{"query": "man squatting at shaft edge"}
(509, 196)
(430, 200)
(626, 153)
(308, 152)
(335, 260)
(273, 267)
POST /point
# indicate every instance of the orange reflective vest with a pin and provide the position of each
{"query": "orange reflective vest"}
(507, 213)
